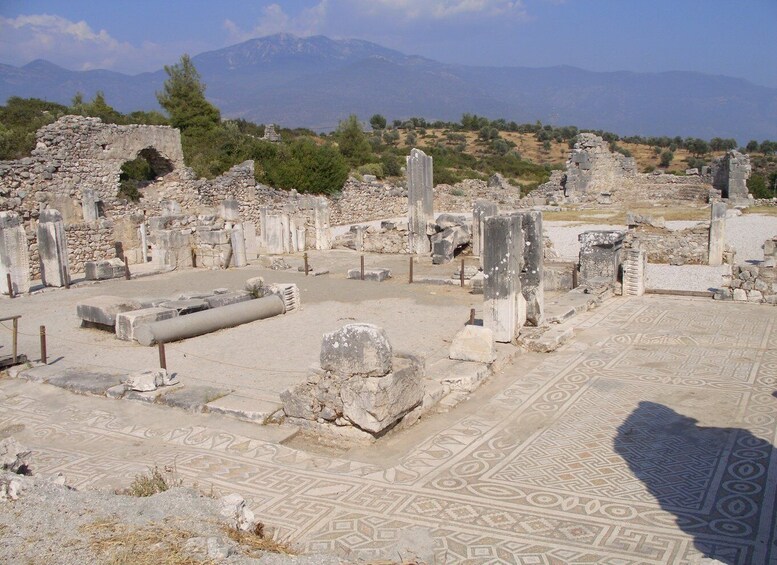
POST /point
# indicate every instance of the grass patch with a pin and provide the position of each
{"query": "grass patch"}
(153, 482)
(763, 210)
(257, 540)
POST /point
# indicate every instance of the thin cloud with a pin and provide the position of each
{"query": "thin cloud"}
(274, 19)
(444, 9)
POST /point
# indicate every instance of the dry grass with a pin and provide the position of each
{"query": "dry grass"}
(256, 541)
(618, 217)
(154, 482)
(152, 544)
(764, 210)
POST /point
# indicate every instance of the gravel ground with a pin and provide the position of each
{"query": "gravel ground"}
(50, 523)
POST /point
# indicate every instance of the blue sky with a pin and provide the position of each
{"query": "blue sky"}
(734, 38)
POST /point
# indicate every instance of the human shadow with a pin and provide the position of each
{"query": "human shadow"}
(714, 481)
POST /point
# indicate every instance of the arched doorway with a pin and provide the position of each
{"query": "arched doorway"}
(142, 171)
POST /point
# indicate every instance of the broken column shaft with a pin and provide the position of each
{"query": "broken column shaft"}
(504, 308)
(420, 201)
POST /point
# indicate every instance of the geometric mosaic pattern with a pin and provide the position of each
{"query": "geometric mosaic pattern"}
(647, 439)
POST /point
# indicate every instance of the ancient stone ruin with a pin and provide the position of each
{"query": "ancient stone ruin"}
(730, 174)
(592, 166)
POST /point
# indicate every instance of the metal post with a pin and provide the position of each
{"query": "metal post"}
(410, 278)
(15, 339)
(471, 316)
(43, 357)
(126, 269)
(362, 267)
(10, 286)
(162, 358)
(461, 274)
(305, 258)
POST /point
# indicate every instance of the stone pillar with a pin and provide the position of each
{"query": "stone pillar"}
(480, 211)
(14, 254)
(229, 210)
(263, 212)
(504, 308)
(533, 270)
(420, 201)
(249, 233)
(321, 223)
(600, 257)
(143, 233)
(89, 206)
(52, 249)
(237, 239)
(634, 265)
(360, 231)
(285, 233)
(717, 233)
(273, 233)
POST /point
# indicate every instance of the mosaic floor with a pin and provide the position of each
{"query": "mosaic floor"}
(648, 439)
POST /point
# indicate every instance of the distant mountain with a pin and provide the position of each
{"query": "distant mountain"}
(316, 81)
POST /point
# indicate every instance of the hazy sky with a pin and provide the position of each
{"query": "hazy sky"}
(730, 37)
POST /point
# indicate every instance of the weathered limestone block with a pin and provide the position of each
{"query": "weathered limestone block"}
(730, 174)
(104, 270)
(14, 254)
(717, 243)
(600, 256)
(275, 233)
(185, 306)
(634, 268)
(146, 381)
(171, 248)
(533, 268)
(480, 211)
(170, 208)
(128, 322)
(52, 249)
(90, 205)
(377, 275)
(420, 201)
(504, 308)
(251, 241)
(229, 210)
(228, 298)
(102, 310)
(374, 403)
(473, 343)
(446, 242)
(356, 349)
(237, 240)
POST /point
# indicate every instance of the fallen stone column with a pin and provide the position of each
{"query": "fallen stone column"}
(717, 233)
(52, 249)
(504, 308)
(207, 321)
(14, 254)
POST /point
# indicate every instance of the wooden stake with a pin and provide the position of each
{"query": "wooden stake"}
(305, 257)
(461, 274)
(410, 278)
(362, 267)
(471, 316)
(15, 339)
(10, 285)
(162, 358)
(126, 269)
(43, 356)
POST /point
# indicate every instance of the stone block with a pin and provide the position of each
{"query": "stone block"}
(14, 254)
(128, 322)
(184, 307)
(228, 298)
(473, 343)
(377, 275)
(445, 243)
(104, 270)
(213, 237)
(420, 200)
(375, 403)
(356, 349)
(102, 310)
(740, 295)
(52, 249)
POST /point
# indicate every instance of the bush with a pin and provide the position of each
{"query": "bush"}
(444, 175)
(375, 169)
(391, 165)
(666, 158)
(306, 167)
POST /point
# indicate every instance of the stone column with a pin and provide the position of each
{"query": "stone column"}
(600, 256)
(52, 249)
(717, 233)
(480, 211)
(143, 233)
(237, 239)
(634, 265)
(533, 271)
(263, 241)
(504, 308)
(89, 205)
(14, 254)
(321, 223)
(420, 201)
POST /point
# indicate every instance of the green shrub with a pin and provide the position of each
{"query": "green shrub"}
(375, 169)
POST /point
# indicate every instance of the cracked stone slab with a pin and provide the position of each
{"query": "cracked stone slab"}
(87, 381)
(192, 398)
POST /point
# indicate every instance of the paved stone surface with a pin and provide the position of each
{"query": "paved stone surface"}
(646, 439)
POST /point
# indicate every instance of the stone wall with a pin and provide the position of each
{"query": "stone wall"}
(85, 242)
(750, 283)
(682, 247)
(592, 166)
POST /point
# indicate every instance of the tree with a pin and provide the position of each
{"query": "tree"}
(352, 142)
(99, 108)
(666, 158)
(751, 146)
(183, 97)
(378, 122)
(306, 167)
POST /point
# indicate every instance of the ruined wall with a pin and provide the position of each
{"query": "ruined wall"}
(75, 153)
(750, 283)
(730, 173)
(592, 166)
(85, 242)
(682, 247)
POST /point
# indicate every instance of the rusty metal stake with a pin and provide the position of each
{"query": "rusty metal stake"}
(10, 285)
(574, 275)
(410, 278)
(305, 257)
(43, 356)
(162, 358)
(471, 316)
(126, 269)
(362, 267)
(461, 274)
(15, 346)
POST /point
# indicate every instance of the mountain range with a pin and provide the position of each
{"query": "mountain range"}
(315, 82)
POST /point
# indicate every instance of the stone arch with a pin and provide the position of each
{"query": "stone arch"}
(137, 173)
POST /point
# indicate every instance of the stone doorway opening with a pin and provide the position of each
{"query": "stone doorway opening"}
(142, 171)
